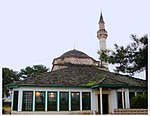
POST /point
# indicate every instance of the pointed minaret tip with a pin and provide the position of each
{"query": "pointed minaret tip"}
(101, 18)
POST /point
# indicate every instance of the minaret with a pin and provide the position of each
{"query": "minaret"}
(102, 36)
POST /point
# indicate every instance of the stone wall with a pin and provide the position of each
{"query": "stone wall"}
(74, 60)
(61, 62)
(86, 112)
(130, 111)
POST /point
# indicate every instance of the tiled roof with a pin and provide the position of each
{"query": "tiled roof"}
(80, 75)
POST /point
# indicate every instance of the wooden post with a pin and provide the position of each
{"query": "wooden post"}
(58, 101)
(33, 107)
(80, 101)
(123, 99)
(46, 101)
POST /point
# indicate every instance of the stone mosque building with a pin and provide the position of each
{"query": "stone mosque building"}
(77, 83)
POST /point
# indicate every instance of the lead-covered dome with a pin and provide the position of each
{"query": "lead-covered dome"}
(73, 57)
(75, 53)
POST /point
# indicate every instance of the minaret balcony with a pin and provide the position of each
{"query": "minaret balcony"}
(102, 33)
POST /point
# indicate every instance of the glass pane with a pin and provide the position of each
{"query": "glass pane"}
(86, 101)
(75, 101)
(39, 101)
(27, 101)
(120, 105)
(131, 94)
(15, 101)
(52, 101)
(119, 94)
(64, 101)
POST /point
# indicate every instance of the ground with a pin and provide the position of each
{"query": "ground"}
(7, 109)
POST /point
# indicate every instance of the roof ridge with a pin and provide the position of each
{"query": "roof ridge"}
(112, 79)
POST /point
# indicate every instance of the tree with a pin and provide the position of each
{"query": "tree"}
(130, 59)
(8, 76)
(29, 71)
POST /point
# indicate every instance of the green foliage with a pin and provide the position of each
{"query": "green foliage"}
(140, 101)
(8, 76)
(91, 83)
(129, 59)
(29, 71)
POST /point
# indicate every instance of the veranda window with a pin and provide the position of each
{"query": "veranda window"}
(120, 102)
(39, 101)
(27, 101)
(75, 101)
(64, 101)
(86, 101)
(52, 101)
(15, 101)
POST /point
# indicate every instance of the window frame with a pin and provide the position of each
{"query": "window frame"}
(60, 100)
(89, 101)
(75, 104)
(48, 109)
(23, 109)
(119, 102)
(43, 102)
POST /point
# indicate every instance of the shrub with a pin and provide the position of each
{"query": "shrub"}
(140, 101)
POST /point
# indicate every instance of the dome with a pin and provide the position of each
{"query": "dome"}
(74, 53)
(73, 57)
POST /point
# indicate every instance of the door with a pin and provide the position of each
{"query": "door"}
(105, 103)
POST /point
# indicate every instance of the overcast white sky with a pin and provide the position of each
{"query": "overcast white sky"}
(37, 31)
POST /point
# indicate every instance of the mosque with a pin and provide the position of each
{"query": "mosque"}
(76, 83)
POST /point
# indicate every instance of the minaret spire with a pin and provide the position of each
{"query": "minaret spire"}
(102, 36)
(101, 18)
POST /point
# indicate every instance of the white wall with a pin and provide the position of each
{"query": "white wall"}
(20, 99)
(94, 101)
(113, 100)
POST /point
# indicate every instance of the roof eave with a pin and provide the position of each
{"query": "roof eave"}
(26, 85)
(116, 86)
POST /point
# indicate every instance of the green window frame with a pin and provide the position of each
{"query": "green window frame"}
(27, 101)
(64, 101)
(75, 101)
(86, 101)
(51, 101)
(15, 100)
(39, 100)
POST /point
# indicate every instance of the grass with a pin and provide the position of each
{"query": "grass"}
(6, 109)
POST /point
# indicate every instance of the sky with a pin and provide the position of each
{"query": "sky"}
(37, 31)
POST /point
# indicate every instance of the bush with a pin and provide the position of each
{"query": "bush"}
(140, 101)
